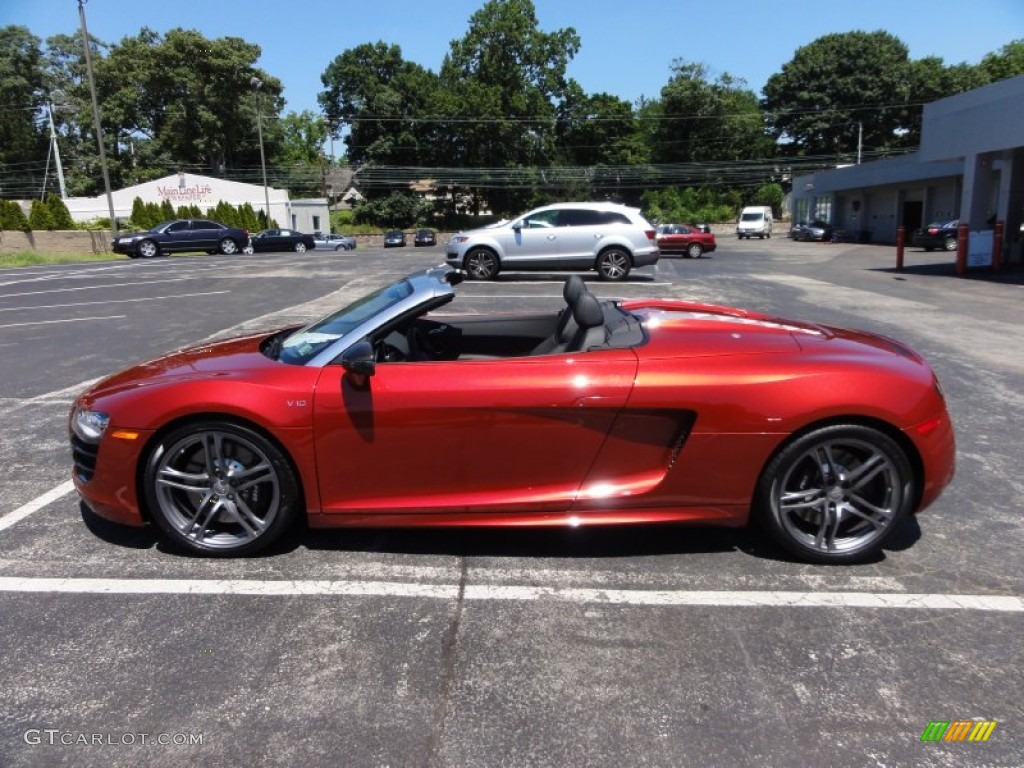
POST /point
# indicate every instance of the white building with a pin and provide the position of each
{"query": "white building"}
(970, 166)
(205, 192)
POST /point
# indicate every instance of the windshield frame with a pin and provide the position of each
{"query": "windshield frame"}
(418, 292)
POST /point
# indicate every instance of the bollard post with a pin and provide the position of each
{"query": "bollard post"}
(961, 250)
(901, 236)
(997, 246)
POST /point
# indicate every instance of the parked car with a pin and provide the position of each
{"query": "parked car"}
(755, 221)
(939, 234)
(611, 239)
(282, 240)
(591, 412)
(679, 238)
(394, 239)
(812, 230)
(322, 242)
(180, 236)
(424, 237)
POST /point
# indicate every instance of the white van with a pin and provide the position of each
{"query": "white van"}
(755, 220)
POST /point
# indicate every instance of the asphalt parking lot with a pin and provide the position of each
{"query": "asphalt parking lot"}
(655, 646)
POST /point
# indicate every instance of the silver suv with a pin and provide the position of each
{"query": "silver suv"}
(606, 237)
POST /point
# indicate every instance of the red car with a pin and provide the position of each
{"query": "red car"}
(599, 412)
(679, 238)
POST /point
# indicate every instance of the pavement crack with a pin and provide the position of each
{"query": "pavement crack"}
(449, 651)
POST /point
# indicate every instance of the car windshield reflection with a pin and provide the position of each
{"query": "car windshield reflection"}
(303, 345)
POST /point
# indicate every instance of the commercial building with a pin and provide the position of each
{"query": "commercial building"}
(970, 166)
(309, 215)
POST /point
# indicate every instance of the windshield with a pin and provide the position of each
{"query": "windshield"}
(303, 345)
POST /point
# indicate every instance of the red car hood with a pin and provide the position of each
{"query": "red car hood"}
(238, 358)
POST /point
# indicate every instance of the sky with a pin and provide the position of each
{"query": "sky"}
(627, 46)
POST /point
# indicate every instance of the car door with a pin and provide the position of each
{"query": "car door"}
(513, 436)
(580, 231)
(533, 241)
(177, 237)
(205, 235)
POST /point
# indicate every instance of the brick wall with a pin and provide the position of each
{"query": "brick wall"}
(59, 241)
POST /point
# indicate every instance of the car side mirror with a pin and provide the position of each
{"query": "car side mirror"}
(360, 360)
(517, 226)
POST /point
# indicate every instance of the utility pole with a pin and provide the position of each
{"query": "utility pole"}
(56, 154)
(257, 84)
(860, 140)
(96, 117)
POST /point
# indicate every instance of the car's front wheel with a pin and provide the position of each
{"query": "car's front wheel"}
(694, 250)
(228, 246)
(481, 264)
(147, 249)
(836, 495)
(217, 488)
(300, 247)
(613, 264)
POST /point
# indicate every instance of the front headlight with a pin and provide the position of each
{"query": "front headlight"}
(89, 425)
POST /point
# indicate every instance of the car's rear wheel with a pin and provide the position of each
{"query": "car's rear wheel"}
(228, 246)
(950, 244)
(147, 249)
(613, 264)
(300, 247)
(481, 264)
(835, 495)
(217, 488)
(694, 250)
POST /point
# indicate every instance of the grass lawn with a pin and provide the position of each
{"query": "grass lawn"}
(35, 258)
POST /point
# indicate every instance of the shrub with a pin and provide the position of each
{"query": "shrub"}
(59, 213)
(39, 217)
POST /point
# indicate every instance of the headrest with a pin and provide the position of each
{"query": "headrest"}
(574, 286)
(587, 311)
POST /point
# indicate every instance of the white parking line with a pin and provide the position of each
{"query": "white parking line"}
(36, 504)
(499, 593)
(93, 287)
(69, 320)
(111, 301)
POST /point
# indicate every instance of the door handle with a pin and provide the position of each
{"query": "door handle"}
(552, 237)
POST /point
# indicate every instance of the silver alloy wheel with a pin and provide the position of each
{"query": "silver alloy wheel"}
(148, 249)
(695, 250)
(613, 264)
(839, 496)
(481, 264)
(217, 489)
(300, 247)
(228, 246)
(950, 244)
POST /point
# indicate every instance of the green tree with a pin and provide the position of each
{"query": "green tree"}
(303, 135)
(12, 218)
(39, 217)
(500, 84)
(702, 119)
(769, 194)
(836, 83)
(1008, 61)
(21, 97)
(931, 79)
(59, 213)
(378, 95)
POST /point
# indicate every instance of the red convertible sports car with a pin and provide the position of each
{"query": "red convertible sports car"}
(387, 413)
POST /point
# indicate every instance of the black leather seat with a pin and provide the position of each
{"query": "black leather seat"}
(590, 318)
(565, 326)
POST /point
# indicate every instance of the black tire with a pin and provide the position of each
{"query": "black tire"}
(950, 244)
(219, 489)
(835, 495)
(147, 249)
(227, 246)
(481, 264)
(300, 247)
(928, 248)
(695, 250)
(613, 264)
